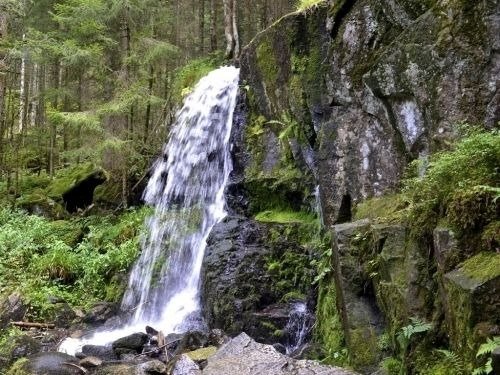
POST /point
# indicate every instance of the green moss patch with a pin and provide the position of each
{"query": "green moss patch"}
(482, 267)
(385, 207)
(285, 217)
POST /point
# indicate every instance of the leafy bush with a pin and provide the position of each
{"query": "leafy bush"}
(459, 184)
(77, 260)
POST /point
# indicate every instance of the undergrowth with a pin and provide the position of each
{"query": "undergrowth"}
(76, 260)
(461, 185)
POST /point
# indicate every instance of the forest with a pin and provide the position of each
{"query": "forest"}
(281, 187)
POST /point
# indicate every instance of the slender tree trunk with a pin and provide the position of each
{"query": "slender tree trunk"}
(201, 14)
(236, 36)
(3, 88)
(125, 44)
(213, 26)
(22, 91)
(231, 29)
(148, 108)
(53, 129)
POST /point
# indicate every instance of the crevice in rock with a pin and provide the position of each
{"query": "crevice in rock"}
(344, 10)
(345, 210)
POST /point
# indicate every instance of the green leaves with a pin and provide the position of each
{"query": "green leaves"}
(39, 260)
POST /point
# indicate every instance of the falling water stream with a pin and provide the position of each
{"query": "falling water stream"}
(298, 328)
(187, 191)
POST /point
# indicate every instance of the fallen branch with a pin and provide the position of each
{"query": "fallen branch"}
(33, 325)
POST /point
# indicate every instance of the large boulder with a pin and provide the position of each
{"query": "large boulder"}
(12, 308)
(244, 356)
(53, 364)
(472, 300)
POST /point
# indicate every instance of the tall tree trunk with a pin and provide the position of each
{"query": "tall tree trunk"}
(125, 45)
(236, 37)
(3, 88)
(148, 108)
(231, 29)
(201, 14)
(228, 28)
(213, 26)
(53, 128)
(22, 91)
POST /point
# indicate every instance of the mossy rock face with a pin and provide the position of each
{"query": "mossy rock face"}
(373, 87)
(252, 271)
(472, 298)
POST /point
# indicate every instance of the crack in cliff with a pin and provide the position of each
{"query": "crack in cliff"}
(343, 11)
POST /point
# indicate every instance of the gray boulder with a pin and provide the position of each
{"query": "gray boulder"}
(244, 356)
(53, 364)
(12, 308)
(185, 366)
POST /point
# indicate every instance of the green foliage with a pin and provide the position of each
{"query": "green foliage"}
(18, 368)
(391, 365)
(39, 259)
(455, 182)
(188, 75)
(328, 328)
(485, 349)
(405, 335)
(482, 267)
(7, 336)
(304, 5)
(285, 217)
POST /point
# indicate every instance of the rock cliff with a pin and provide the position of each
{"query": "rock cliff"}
(335, 103)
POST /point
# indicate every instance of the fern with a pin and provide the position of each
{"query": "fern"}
(490, 345)
(453, 361)
(486, 348)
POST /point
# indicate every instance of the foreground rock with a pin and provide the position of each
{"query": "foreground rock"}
(244, 356)
(52, 363)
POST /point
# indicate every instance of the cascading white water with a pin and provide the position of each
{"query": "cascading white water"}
(187, 191)
(299, 326)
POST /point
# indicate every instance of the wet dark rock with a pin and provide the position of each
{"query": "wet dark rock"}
(239, 289)
(217, 337)
(191, 341)
(63, 315)
(25, 346)
(151, 331)
(173, 340)
(153, 367)
(53, 364)
(280, 348)
(103, 352)
(495, 363)
(100, 313)
(117, 369)
(12, 308)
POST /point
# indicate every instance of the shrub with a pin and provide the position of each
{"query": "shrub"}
(455, 182)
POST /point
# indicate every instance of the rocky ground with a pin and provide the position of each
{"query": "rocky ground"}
(193, 353)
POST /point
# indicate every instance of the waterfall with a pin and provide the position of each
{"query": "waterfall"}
(187, 190)
(298, 328)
